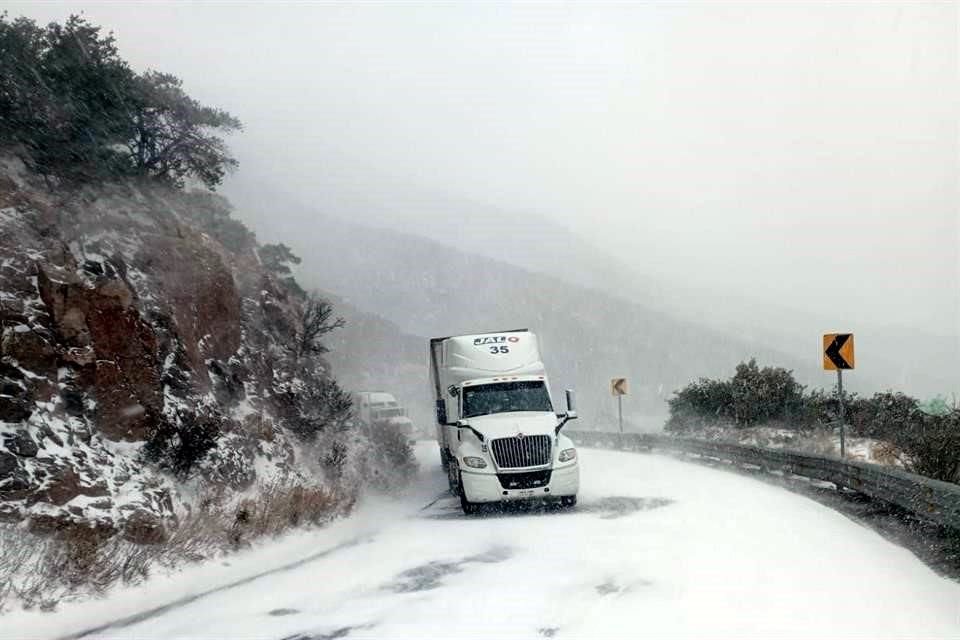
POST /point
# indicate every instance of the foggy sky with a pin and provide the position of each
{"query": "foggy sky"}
(805, 154)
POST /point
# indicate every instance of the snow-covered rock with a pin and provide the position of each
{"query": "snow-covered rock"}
(143, 349)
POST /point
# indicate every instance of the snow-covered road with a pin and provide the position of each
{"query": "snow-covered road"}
(657, 548)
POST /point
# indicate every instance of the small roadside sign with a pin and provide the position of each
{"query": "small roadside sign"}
(618, 389)
(618, 386)
(838, 356)
(837, 351)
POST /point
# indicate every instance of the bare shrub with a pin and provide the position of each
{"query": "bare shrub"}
(81, 558)
(41, 570)
(820, 442)
(282, 505)
(197, 534)
(887, 453)
(315, 321)
(392, 463)
(38, 571)
(17, 555)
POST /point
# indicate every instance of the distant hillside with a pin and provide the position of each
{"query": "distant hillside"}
(428, 289)
(902, 358)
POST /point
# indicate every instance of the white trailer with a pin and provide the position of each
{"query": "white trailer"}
(497, 423)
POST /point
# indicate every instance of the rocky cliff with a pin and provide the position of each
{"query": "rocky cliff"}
(147, 352)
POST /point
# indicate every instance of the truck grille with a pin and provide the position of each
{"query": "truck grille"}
(513, 453)
(527, 480)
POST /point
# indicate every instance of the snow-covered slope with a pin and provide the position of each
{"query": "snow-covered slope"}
(146, 355)
(656, 548)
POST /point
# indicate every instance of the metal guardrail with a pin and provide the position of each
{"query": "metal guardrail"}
(932, 500)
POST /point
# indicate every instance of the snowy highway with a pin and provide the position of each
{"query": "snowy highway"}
(656, 548)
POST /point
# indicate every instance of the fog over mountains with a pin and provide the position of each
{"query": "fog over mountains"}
(803, 180)
(403, 272)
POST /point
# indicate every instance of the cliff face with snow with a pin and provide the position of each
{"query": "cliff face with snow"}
(145, 349)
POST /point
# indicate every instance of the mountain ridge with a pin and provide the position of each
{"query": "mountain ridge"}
(922, 366)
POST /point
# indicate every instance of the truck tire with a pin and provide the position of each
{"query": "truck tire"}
(444, 461)
(568, 502)
(469, 508)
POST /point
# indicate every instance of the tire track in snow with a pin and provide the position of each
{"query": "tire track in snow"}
(160, 610)
(427, 480)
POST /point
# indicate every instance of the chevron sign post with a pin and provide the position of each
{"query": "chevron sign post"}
(618, 387)
(837, 356)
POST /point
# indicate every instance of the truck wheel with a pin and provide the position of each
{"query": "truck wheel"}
(443, 459)
(568, 501)
(469, 508)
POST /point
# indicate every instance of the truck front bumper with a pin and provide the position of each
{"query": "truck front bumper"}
(486, 487)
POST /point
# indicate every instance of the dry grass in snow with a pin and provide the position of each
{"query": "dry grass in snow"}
(78, 562)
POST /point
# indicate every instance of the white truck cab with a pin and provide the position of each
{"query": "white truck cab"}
(498, 427)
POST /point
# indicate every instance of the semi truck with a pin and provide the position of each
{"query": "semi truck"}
(378, 408)
(498, 426)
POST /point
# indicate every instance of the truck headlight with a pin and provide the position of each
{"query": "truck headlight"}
(568, 454)
(475, 462)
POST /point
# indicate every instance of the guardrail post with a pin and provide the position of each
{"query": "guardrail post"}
(843, 443)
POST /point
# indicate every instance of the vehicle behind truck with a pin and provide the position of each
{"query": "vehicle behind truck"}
(381, 409)
(497, 424)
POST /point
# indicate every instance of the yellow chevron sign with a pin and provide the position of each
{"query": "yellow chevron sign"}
(837, 351)
(618, 386)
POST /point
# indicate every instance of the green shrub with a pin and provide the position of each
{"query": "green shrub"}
(762, 395)
(181, 441)
(883, 415)
(78, 113)
(931, 444)
(927, 435)
(699, 404)
(752, 396)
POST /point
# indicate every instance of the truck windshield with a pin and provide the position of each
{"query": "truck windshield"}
(501, 397)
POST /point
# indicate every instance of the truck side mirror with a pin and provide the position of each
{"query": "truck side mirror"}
(571, 404)
(441, 412)
(571, 413)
